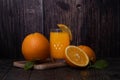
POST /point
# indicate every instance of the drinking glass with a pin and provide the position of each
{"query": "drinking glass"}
(59, 40)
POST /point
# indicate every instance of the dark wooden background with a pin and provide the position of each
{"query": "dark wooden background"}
(93, 22)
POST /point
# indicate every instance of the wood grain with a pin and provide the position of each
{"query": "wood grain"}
(67, 12)
(93, 22)
(4, 68)
(112, 72)
(16, 73)
(17, 19)
(40, 66)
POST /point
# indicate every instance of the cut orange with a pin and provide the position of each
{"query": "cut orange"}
(65, 28)
(75, 56)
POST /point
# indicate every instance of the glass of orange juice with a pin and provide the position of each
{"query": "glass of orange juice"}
(59, 40)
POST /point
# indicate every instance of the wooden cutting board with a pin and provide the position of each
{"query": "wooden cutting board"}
(41, 66)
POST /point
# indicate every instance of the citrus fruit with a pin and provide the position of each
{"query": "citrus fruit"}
(75, 56)
(89, 51)
(35, 46)
(65, 28)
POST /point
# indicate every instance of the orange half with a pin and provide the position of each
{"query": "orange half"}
(75, 56)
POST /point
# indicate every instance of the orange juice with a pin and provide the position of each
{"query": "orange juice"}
(58, 42)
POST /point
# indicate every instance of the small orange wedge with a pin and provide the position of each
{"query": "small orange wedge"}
(76, 57)
(65, 28)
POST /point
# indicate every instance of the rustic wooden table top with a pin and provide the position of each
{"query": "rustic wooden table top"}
(9, 72)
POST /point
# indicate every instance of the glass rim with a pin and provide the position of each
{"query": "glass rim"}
(55, 30)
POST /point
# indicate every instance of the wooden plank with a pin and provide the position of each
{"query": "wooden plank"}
(109, 28)
(66, 12)
(109, 73)
(114, 64)
(93, 22)
(100, 26)
(40, 66)
(63, 73)
(7, 72)
(17, 74)
(4, 67)
(17, 19)
(67, 73)
(112, 72)
(43, 74)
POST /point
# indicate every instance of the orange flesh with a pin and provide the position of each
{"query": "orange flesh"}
(77, 57)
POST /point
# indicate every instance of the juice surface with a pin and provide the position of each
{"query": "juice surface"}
(58, 42)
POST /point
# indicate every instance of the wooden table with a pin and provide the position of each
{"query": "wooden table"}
(8, 72)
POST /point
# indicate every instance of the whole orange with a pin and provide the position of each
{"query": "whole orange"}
(35, 46)
(89, 51)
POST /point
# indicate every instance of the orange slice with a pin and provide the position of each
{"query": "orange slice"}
(75, 56)
(65, 28)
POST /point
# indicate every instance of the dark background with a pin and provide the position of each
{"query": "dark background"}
(93, 22)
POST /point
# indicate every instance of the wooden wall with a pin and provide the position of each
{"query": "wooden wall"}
(93, 22)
